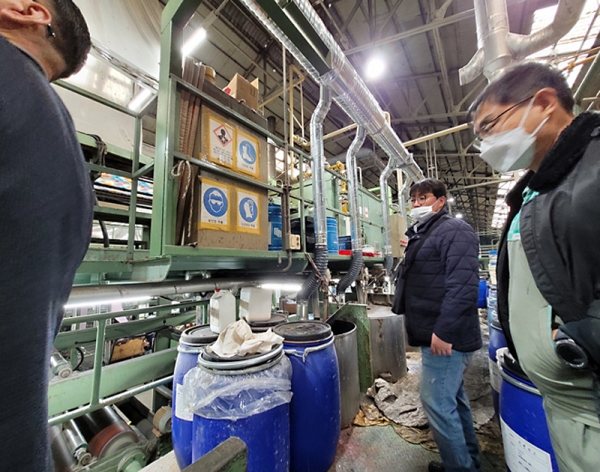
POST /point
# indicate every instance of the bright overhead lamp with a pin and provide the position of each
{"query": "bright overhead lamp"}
(451, 200)
(193, 41)
(140, 99)
(459, 216)
(375, 68)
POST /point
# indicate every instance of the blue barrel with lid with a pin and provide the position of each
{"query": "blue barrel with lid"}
(315, 409)
(332, 235)
(482, 298)
(524, 427)
(191, 344)
(246, 397)
(275, 228)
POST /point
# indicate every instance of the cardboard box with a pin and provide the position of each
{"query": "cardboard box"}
(397, 233)
(243, 91)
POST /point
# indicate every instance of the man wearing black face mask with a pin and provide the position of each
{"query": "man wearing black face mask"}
(439, 300)
(46, 211)
(548, 263)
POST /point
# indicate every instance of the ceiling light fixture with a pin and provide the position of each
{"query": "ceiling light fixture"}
(193, 41)
(451, 200)
(459, 216)
(375, 68)
(141, 298)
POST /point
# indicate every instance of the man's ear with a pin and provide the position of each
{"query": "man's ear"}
(25, 13)
(548, 99)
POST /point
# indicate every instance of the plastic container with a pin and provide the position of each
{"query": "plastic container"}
(497, 341)
(191, 344)
(332, 235)
(246, 398)
(315, 409)
(481, 299)
(275, 228)
(255, 304)
(524, 429)
(345, 242)
(264, 326)
(222, 308)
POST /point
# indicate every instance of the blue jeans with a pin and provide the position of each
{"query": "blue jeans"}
(447, 409)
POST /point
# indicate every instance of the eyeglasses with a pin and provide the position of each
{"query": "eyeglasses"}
(421, 199)
(50, 32)
(486, 127)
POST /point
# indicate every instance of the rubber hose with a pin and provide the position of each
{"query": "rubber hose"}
(313, 282)
(352, 274)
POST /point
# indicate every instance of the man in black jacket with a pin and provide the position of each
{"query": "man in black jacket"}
(549, 257)
(46, 210)
(440, 303)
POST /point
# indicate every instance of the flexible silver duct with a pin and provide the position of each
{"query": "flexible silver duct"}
(355, 226)
(317, 152)
(388, 259)
(350, 92)
(567, 14)
(499, 48)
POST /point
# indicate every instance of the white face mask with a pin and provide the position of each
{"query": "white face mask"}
(513, 149)
(422, 214)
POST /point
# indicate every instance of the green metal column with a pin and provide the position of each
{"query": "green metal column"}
(175, 16)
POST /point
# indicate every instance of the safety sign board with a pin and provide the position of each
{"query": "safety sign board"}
(222, 140)
(247, 154)
(248, 212)
(215, 212)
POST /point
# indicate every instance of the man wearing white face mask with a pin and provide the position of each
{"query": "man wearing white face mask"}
(437, 293)
(548, 263)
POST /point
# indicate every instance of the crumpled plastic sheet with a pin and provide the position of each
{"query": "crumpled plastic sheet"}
(239, 340)
(234, 397)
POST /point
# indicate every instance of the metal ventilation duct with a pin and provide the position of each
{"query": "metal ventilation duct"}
(350, 92)
(499, 48)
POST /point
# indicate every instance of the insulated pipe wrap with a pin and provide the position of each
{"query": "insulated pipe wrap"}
(318, 155)
(357, 243)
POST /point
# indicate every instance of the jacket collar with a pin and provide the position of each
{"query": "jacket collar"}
(566, 152)
(421, 228)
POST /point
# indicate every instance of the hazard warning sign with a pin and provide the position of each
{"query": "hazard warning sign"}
(221, 138)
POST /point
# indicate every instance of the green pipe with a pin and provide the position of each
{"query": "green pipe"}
(98, 353)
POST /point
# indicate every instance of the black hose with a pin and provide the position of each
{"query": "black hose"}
(312, 283)
(352, 274)
(388, 262)
(80, 351)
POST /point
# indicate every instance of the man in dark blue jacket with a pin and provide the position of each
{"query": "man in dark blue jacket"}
(46, 211)
(440, 301)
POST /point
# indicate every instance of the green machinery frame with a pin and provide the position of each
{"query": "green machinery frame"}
(87, 391)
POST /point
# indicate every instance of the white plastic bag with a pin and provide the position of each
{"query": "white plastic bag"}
(237, 396)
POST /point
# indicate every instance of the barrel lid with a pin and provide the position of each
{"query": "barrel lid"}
(303, 331)
(212, 361)
(198, 336)
(271, 322)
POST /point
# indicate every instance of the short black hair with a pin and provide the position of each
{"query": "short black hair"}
(436, 187)
(522, 81)
(72, 38)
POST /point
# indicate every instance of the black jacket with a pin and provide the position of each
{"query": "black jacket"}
(442, 285)
(560, 231)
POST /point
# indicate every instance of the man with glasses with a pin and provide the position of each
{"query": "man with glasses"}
(440, 284)
(46, 211)
(549, 256)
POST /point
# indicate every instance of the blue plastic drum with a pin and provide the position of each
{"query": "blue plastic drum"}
(497, 341)
(482, 299)
(266, 434)
(275, 228)
(315, 410)
(332, 235)
(191, 343)
(525, 432)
